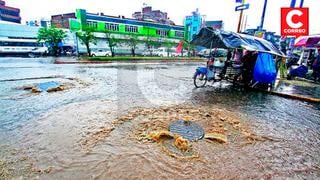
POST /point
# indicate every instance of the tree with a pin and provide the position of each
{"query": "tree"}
(132, 42)
(87, 37)
(190, 47)
(52, 37)
(112, 42)
(149, 43)
(168, 45)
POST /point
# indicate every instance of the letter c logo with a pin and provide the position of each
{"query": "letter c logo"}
(289, 18)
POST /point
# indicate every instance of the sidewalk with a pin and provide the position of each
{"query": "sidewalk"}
(75, 60)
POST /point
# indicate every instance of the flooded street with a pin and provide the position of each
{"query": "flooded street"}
(99, 125)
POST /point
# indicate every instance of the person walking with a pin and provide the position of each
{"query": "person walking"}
(283, 68)
(316, 67)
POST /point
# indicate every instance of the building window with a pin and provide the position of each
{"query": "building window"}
(179, 34)
(92, 24)
(112, 27)
(133, 29)
(162, 33)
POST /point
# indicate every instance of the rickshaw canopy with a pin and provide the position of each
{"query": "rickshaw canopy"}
(213, 38)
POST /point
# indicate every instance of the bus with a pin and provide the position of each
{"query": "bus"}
(22, 47)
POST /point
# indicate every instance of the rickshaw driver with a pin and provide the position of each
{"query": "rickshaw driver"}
(248, 61)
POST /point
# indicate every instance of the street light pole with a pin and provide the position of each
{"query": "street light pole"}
(240, 18)
(301, 3)
(293, 3)
(263, 14)
(77, 45)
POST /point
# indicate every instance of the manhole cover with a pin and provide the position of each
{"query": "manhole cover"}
(47, 85)
(187, 129)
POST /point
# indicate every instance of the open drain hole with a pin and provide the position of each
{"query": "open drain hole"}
(187, 129)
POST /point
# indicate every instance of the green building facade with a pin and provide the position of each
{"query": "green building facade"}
(126, 26)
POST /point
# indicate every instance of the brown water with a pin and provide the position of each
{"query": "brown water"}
(99, 127)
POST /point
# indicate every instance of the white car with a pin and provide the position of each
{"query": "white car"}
(38, 51)
(101, 53)
(165, 52)
(184, 54)
(204, 53)
(152, 52)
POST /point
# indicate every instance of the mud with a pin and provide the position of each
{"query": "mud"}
(4, 172)
(221, 138)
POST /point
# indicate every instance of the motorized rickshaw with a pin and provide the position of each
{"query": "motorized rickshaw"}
(231, 69)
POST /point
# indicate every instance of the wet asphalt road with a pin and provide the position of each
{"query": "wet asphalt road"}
(128, 85)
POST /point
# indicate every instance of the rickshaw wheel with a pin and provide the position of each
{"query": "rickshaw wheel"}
(200, 80)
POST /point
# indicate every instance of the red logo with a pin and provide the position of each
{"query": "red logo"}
(294, 22)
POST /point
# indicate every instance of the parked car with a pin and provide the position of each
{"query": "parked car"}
(219, 53)
(184, 54)
(204, 53)
(38, 51)
(164, 52)
(101, 53)
(149, 52)
(213, 53)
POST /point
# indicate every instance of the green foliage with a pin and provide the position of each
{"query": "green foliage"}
(168, 45)
(87, 36)
(132, 42)
(189, 47)
(51, 36)
(150, 43)
(112, 42)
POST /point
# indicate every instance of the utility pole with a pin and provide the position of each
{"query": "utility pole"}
(293, 3)
(240, 17)
(263, 14)
(301, 3)
(77, 45)
(245, 22)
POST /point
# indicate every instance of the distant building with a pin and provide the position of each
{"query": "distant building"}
(45, 23)
(18, 31)
(123, 28)
(9, 14)
(192, 25)
(62, 20)
(156, 15)
(267, 35)
(33, 23)
(22, 39)
(214, 24)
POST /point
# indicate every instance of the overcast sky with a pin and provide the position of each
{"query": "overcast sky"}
(176, 9)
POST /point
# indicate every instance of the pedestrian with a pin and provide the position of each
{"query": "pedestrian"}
(248, 61)
(237, 56)
(229, 55)
(316, 67)
(283, 68)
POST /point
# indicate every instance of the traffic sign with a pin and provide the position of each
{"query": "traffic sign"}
(242, 7)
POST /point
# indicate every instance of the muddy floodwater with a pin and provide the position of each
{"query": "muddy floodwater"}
(111, 121)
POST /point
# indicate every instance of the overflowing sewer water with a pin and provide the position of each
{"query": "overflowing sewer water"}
(107, 120)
